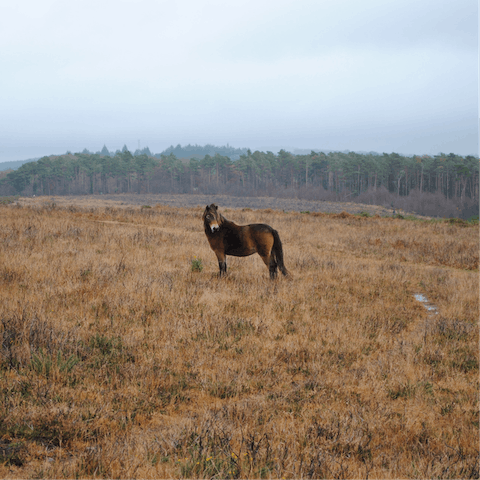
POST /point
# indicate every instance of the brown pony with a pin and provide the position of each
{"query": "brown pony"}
(227, 238)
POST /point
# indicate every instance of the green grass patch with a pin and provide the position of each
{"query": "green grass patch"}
(196, 265)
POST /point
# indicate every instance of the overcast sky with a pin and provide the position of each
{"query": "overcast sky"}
(376, 75)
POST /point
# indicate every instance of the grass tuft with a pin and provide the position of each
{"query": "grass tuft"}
(196, 265)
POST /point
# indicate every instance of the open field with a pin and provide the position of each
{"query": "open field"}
(119, 360)
(184, 200)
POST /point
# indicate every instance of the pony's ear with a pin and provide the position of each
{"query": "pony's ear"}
(207, 207)
(216, 206)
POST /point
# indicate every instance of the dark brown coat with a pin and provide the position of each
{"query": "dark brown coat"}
(227, 238)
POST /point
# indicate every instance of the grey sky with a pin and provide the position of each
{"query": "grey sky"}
(390, 75)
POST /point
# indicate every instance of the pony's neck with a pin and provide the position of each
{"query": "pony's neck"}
(227, 223)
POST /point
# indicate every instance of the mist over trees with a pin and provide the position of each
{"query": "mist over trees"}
(189, 151)
(14, 164)
(440, 185)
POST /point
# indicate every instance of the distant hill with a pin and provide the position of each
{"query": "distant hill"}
(16, 164)
(307, 151)
(199, 151)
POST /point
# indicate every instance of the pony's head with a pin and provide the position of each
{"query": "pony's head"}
(211, 218)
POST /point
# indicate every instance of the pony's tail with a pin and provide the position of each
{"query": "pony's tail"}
(277, 251)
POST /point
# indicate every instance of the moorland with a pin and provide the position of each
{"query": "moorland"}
(124, 355)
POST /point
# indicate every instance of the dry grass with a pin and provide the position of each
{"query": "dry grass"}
(118, 360)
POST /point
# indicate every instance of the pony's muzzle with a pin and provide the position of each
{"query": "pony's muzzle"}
(214, 227)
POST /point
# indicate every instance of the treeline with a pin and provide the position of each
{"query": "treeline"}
(444, 185)
(80, 174)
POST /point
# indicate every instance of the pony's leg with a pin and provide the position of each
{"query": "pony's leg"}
(271, 264)
(222, 263)
(272, 267)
